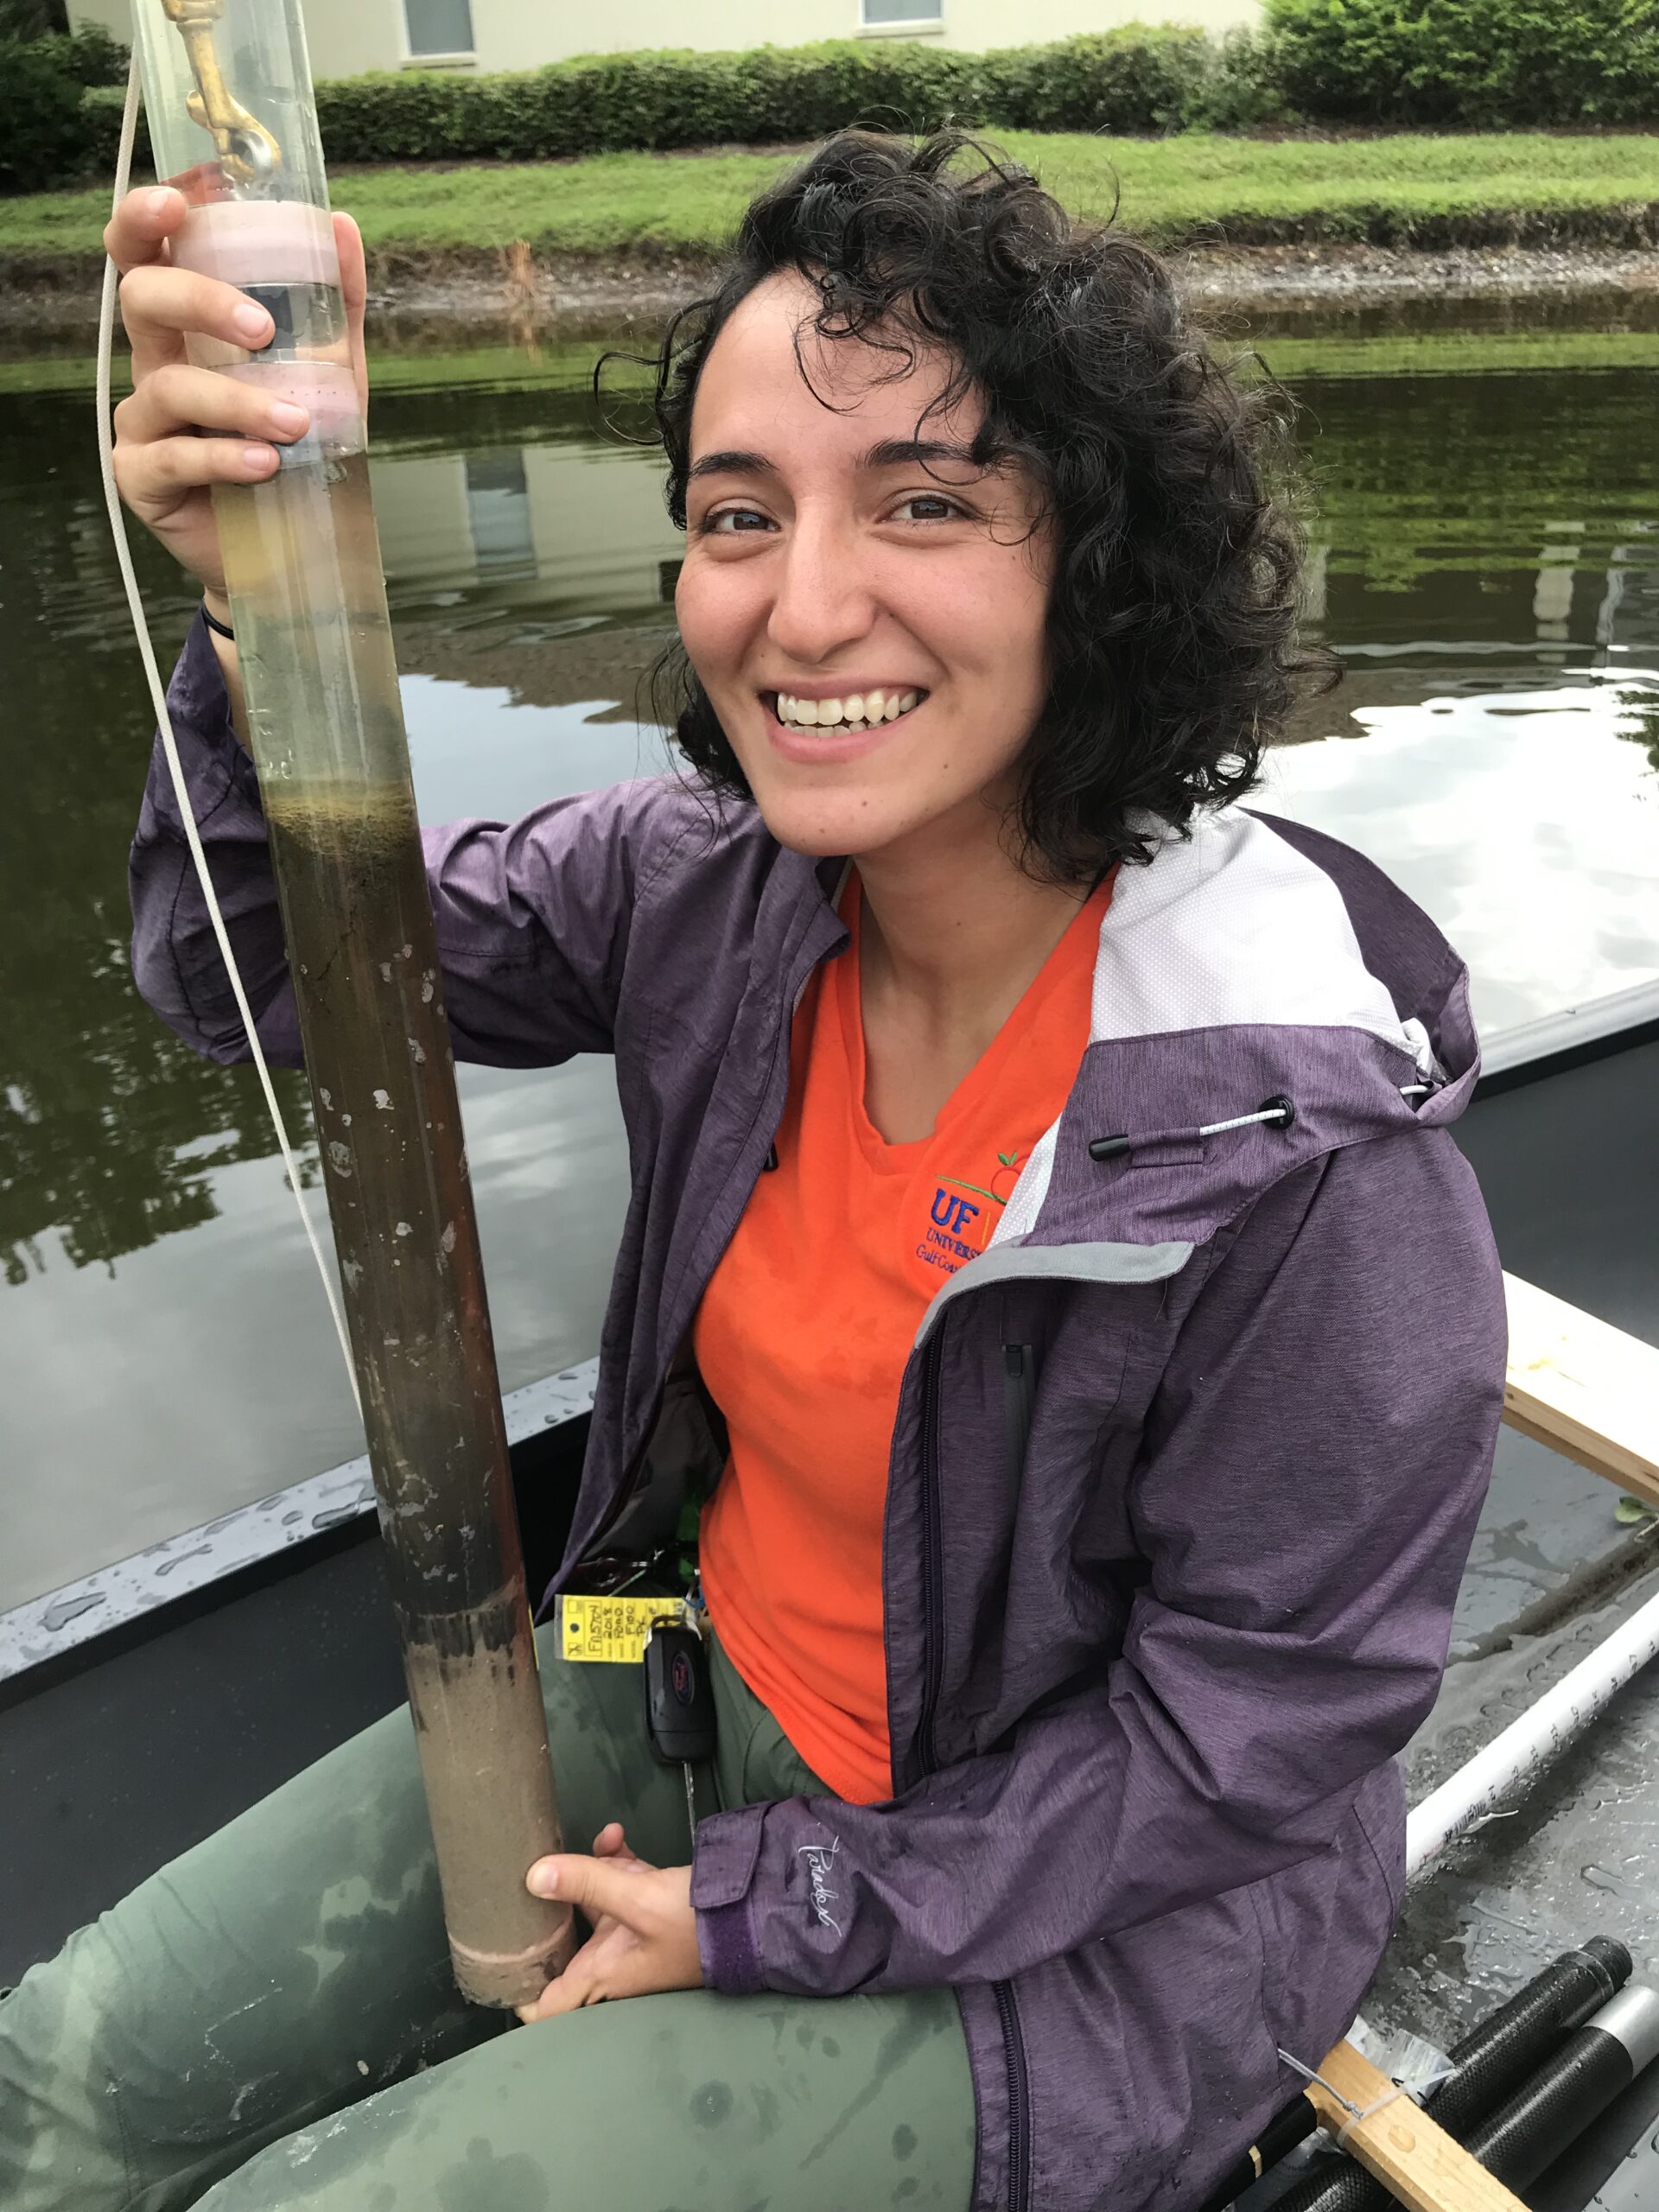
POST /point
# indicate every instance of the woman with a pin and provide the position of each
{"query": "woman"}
(1052, 1214)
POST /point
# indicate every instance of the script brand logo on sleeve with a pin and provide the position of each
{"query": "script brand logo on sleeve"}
(820, 1868)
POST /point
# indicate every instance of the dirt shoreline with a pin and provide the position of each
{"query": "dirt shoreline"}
(567, 294)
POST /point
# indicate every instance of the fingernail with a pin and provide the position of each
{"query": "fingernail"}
(259, 458)
(158, 204)
(252, 323)
(288, 419)
(543, 1881)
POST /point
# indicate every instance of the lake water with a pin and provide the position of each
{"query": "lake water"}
(1486, 564)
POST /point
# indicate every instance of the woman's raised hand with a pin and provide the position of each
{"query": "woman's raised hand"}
(165, 464)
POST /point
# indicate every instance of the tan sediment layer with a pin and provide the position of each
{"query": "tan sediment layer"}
(479, 1727)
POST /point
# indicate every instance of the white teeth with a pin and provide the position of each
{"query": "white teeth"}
(867, 708)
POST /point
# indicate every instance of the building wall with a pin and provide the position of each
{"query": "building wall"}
(348, 36)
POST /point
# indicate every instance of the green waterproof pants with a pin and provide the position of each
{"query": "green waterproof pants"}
(270, 2021)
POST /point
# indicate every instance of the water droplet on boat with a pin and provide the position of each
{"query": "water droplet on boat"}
(70, 1609)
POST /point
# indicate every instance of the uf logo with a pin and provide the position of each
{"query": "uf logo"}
(951, 1213)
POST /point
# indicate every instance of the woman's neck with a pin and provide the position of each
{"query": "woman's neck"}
(953, 934)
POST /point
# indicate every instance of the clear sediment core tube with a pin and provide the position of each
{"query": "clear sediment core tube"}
(227, 92)
(314, 645)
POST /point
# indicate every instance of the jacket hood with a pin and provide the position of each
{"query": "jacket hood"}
(1263, 995)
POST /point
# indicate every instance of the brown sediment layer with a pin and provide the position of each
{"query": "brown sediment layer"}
(568, 294)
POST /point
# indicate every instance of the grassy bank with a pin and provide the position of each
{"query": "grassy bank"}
(1408, 190)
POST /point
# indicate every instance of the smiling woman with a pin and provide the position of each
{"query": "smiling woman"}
(1055, 1341)
(967, 408)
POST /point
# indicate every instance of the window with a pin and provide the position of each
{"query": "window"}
(497, 507)
(439, 26)
(903, 11)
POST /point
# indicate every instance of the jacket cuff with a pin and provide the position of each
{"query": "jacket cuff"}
(722, 1869)
(201, 707)
(726, 1945)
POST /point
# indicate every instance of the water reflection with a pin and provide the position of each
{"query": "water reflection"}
(1486, 562)
(1526, 821)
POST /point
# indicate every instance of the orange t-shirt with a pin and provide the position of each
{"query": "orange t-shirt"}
(803, 1331)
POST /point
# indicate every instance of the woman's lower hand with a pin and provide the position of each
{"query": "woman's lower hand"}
(644, 1936)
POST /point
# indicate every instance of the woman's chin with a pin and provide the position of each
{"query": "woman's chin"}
(845, 824)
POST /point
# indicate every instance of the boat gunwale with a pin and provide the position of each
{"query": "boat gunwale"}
(91, 1617)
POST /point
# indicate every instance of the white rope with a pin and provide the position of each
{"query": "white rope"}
(1242, 1122)
(169, 743)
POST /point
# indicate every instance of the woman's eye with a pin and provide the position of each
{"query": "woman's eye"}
(727, 521)
(926, 506)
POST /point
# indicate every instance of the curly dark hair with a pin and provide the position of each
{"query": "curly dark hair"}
(1172, 655)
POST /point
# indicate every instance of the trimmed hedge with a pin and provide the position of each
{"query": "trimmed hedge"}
(1133, 80)
(1139, 81)
(1477, 63)
(43, 135)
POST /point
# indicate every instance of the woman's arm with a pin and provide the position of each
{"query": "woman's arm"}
(532, 916)
(1306, 1496)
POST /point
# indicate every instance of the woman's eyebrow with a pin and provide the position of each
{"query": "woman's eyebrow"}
(889, 453)
(908, 452)
(732, 463)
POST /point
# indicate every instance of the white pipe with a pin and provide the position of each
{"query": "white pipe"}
(1539, 1736)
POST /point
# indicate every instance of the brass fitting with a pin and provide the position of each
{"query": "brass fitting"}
(246, 148)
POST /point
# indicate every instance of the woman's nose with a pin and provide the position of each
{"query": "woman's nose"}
(820, 603)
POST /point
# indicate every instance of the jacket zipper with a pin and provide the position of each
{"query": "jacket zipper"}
(625, 1493)
(1014, 2052)
(933, 1558)
(1016, 1422)
(1017, 1402)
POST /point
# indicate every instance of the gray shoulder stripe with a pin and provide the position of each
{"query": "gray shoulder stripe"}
(1124, 1263)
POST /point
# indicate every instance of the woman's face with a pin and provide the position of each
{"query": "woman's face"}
(866, 613)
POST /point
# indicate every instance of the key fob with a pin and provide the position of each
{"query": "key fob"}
(679, 1697)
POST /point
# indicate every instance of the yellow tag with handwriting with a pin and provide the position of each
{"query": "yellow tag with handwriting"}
(612, 1630)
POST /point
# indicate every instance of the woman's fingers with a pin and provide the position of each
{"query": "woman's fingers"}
(138, 230)
(159, 305)
(152, 479)
(178, 397)
(354, 290)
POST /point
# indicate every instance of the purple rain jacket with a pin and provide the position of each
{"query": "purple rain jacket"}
(1185, 1466)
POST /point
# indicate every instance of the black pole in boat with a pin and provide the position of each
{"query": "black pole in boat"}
(1492, 2060)
(1570, 2090)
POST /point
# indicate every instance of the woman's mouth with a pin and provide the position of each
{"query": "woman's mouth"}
(854, 710)
(822, 733)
